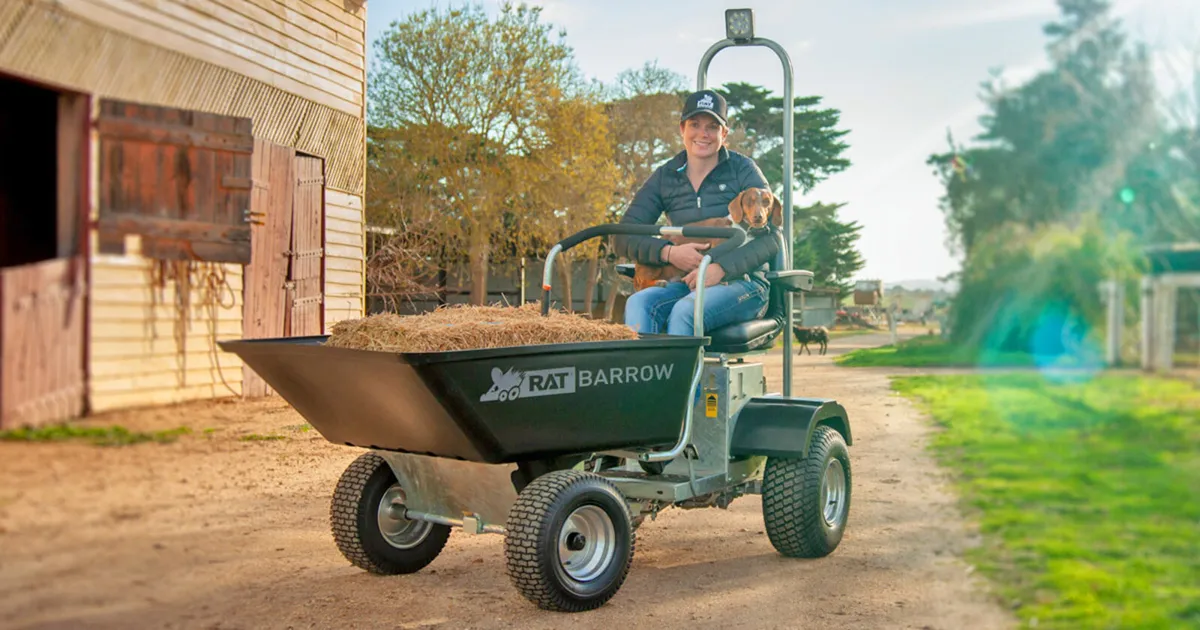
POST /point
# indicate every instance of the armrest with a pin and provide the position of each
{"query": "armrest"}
(626, 269)
(792, 280)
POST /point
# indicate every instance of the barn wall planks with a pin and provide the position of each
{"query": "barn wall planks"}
(147, 349)
(226, 35)
(145, 52)
(345, 257)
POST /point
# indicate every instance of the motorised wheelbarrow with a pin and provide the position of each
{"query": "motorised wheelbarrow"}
(565, 449)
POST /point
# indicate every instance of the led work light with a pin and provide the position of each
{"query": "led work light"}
(739, 24)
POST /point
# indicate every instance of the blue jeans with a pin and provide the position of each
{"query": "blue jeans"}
(671, 309)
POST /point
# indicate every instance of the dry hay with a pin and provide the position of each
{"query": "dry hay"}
(463, 327)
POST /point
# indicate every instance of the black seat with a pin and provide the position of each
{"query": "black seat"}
(745, 336)
(757, 334)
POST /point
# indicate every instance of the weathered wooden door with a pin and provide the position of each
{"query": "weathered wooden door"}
(265, 298)
(41, 342)
(305, 279)
(180, 179)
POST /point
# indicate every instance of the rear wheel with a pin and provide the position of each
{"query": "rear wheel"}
(806, 502)
(367, 518)
(569, 541)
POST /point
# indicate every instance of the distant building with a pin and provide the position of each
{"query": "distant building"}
(1170, 308)
(868, 292)
(817, 307)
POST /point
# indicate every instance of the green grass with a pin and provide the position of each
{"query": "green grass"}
(1087, 493)
(929, 351)
(101, 436)
(255, 437)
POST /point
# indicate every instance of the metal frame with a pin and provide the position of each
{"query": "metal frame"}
(685, 435)
(788, 171)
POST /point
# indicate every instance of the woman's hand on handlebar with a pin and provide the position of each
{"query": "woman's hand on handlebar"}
(713, 275)
(687, 256)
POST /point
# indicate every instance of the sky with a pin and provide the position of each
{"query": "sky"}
(902, 73)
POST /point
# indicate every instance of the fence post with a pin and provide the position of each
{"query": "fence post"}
(891, 319)
(1166, 293)
(1114, 296)
(1148, 321)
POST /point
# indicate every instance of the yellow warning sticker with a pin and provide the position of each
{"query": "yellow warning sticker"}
(710, 405)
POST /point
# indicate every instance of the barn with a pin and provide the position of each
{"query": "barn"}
(176, 173)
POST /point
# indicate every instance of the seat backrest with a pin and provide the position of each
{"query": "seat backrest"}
(776, 306)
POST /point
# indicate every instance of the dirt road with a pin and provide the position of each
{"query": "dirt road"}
(216, 531)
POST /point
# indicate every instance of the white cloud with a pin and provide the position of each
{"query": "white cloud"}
(559, 13)
(981, 12)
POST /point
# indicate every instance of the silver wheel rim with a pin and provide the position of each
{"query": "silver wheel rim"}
(587, 543)
(833, 493)
(398, 531)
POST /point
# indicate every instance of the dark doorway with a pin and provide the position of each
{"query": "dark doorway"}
(29, 173)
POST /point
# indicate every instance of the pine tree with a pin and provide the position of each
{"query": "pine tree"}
(827, 247)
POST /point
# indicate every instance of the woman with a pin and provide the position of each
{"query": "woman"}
(697, 184)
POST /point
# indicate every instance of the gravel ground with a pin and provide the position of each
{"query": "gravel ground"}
(215, 531)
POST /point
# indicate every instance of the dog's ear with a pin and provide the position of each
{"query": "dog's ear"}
(735, 208)
(776, 211)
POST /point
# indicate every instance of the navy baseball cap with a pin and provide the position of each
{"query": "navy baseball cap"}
(706, 102)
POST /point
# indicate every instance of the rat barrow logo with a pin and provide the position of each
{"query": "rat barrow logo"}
(514, 384)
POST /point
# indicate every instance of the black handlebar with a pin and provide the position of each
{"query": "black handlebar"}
(734, 236)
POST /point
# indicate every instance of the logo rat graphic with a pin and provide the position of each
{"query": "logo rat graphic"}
(505, 385)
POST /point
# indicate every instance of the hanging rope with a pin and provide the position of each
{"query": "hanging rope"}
(214, 285)
(193, 280)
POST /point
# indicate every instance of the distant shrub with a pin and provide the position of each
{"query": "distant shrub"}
(1037, 290)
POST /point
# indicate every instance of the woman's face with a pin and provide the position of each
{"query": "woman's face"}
(702, 136)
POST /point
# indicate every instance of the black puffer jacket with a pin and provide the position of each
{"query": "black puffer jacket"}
(668, 190)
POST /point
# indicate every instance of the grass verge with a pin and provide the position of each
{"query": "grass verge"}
(1087, 493)
(100, 436)
(929, 351)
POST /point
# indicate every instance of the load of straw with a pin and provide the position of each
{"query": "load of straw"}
(462, 327)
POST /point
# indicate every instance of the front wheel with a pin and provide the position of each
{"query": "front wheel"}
(369, 527)
(806, 502)
(569, 541)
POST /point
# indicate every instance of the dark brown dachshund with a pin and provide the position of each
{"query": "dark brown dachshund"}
(659, 275)
(814, 334)
(755, 206)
